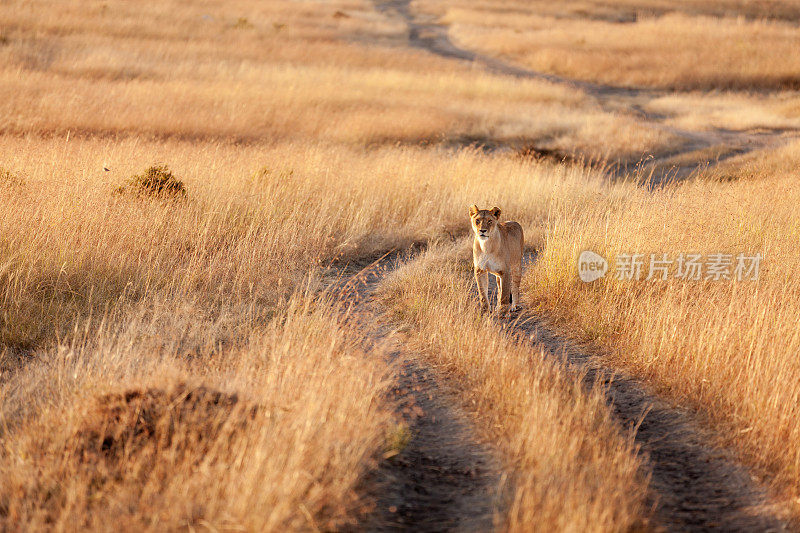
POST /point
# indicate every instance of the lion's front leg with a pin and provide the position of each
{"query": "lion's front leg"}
(516, 279)
(482, 279)
(504, 291)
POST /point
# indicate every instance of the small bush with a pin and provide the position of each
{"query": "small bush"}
(243, 24)
(10, 179)
(156, 181)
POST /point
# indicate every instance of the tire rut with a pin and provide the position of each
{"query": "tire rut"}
(425, 33)
(443, 479)
(444, 483)
(695, 486)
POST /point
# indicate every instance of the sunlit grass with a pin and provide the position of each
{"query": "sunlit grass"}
(726, 348)
(538, 415)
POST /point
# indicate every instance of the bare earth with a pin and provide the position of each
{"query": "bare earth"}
(444, 479)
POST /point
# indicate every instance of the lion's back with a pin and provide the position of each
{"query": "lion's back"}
(514, 236)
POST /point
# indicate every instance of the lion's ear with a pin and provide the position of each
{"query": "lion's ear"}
(496, 212)
(473, 210)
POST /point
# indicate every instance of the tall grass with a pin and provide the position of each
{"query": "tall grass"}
(253, 225)
(726, 348)
(110, 296)
(537, 414)
(680, 47)
(269, 436)
(299, 148)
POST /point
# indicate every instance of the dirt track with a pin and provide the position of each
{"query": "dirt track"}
(426, 34)
(696, 487)
(445, 480)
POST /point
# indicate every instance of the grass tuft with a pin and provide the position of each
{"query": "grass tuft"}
(157, 181)
(10, 179)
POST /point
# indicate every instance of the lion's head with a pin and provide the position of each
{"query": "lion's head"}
(484, 221)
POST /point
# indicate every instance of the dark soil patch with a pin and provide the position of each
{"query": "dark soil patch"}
(140, 423)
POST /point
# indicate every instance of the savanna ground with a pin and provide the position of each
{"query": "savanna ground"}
(172, 360)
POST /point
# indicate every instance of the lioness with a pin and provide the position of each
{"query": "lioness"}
(497, 248)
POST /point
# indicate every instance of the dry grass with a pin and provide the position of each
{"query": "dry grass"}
(109, 72)
(109, 294)
(304, 138)
(256, 221)
(731, 111)
(757, 165)
(539, 416)
(674, 48)
(630, 10)
(725, 348)
(118, 441)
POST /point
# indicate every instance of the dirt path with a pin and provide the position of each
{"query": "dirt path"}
(695, 486)
(443, 479)
(425, 33)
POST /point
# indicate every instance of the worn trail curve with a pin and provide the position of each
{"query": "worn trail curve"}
(425, 33)
(695, 486)
(443, 479)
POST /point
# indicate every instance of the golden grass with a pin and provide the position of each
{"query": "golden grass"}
(108, 293)
(307, 134)
(731, 111)
(630, 10)
(778, 162)
(255, 222)
(725, 348)
(672, 49)
(560, 446)
(108, 72)
(274, 435)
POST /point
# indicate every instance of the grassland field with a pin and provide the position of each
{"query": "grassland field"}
(173, 362)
